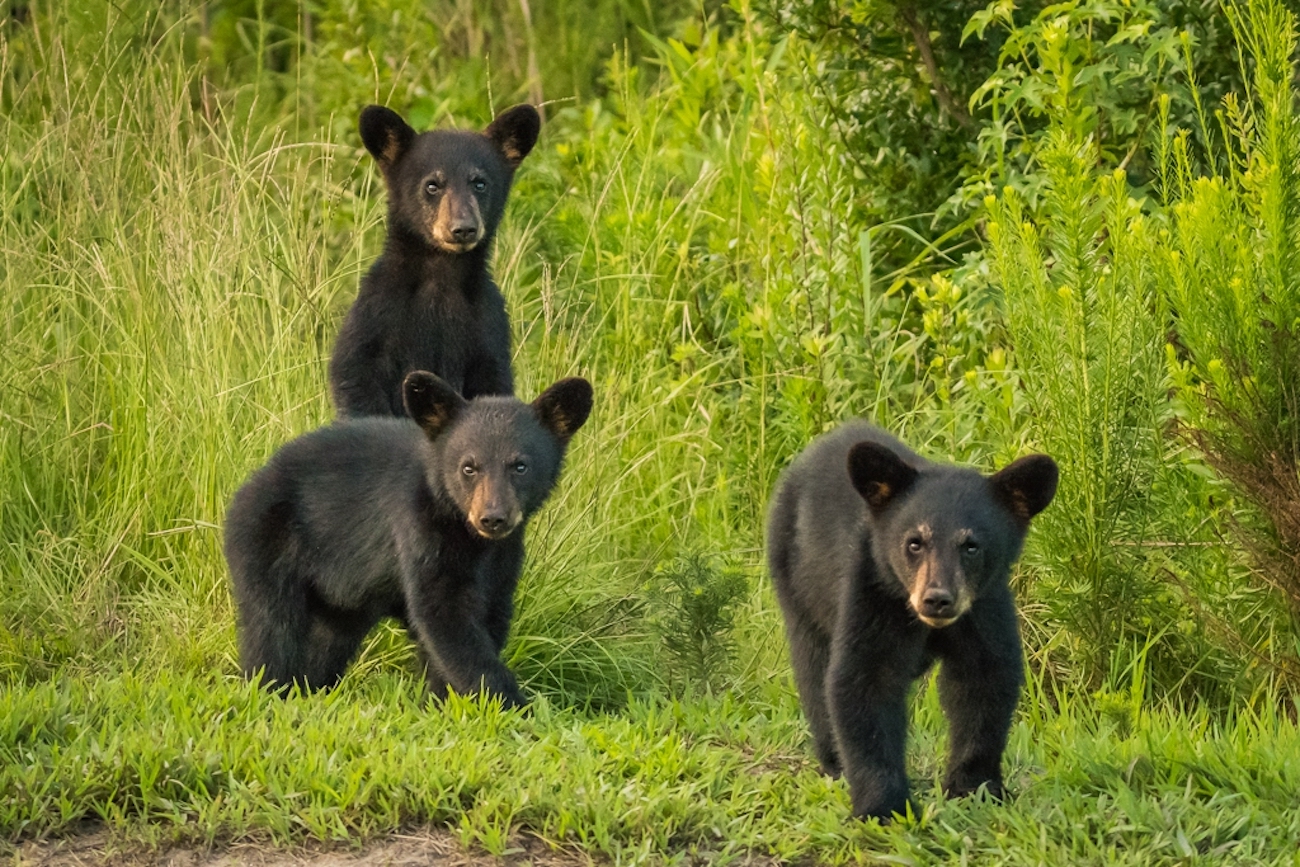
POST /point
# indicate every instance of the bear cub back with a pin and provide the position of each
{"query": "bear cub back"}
(884, 563)
(429, 301)
(421, 519)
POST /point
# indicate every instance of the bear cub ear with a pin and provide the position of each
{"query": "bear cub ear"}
(879, 474)
(431, 401)
(385, 134)
(564, 407)
(514, 132)
(1025, 486)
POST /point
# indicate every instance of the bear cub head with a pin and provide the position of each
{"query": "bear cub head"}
(947, 533)
(447, 188)
(496, 458)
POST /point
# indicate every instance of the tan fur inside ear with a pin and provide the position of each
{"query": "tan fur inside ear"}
(880, 492)
(1018, 503)
(560, 419)
(435, 418)
(513, 154)
(431, 402)
(391, 149)
(564, 407)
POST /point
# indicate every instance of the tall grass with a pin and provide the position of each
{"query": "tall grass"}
(177, 259)
(176, 283)
(169, 287)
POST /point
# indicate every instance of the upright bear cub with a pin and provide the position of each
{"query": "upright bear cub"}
(383, 517)
(884, 563)
(429, 302)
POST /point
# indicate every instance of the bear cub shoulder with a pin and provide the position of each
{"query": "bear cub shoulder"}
(429, 301)
(884, 563)
(377, 517)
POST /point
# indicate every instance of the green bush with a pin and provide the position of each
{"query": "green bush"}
(1230, 268)
(1096, 280)
(1082, 309)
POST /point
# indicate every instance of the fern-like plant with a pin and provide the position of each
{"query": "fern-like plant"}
(693, 602)
(1231, 272)
(1082, 309)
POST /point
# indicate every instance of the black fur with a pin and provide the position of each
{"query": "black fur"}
(429, 301)
(383, 517)
(884, 563)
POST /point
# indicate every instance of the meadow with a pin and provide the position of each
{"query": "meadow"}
(702, 231)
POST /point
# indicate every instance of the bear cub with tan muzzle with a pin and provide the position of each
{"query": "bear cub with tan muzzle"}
(429, 301)
(420, 518)
(885, 563)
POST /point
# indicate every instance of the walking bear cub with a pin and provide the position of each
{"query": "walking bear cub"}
(429, 302)
(383, 517)
(883, 563)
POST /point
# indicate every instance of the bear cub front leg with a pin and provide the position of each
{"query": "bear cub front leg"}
(868, 704)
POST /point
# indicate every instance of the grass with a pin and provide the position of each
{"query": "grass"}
(174, 263)
(199, 757)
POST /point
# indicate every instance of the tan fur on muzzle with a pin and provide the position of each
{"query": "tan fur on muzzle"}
(440, 228)
(480, 503)
(917, 598)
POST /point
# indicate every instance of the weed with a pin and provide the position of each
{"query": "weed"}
(692, 609)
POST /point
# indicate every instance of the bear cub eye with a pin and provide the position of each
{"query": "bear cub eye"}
(432, 188)
(970, 547)
(479, 185)
(468, 469)
(915, 545)
(519, 468)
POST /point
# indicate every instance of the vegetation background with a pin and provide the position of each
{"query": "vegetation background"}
(1066, 227)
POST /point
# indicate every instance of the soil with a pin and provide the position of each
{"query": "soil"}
(428, 848)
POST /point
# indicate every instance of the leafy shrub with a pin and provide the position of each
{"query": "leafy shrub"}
(1230, 267)
(1081, 304)
(940, 104)
(1091, 70)
(1095, 282)
(895, 80)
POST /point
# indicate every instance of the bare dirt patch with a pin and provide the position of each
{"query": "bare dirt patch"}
(428, 848)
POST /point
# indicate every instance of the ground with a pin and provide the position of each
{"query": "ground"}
(417, 846)
(423, 846)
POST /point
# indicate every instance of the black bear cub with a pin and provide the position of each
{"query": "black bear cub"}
(429, 301)
(383, 517)
(883, 563)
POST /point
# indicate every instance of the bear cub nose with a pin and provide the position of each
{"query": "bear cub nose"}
(464, 233)
(492, 524)
(937, 604)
